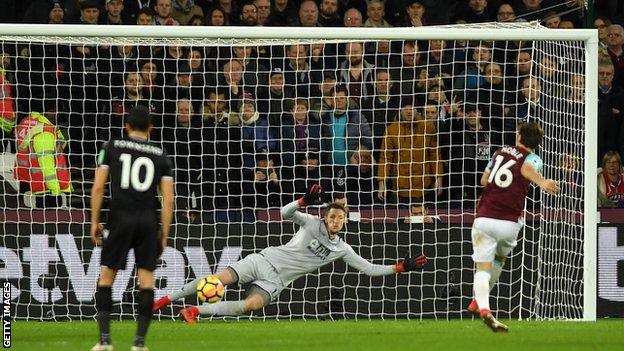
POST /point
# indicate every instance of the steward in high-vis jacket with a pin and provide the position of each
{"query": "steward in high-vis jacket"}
(40, 162)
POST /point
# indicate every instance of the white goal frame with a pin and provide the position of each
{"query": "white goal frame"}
(588, 36)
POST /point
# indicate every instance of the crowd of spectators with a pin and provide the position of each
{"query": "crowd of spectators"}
(387, 122)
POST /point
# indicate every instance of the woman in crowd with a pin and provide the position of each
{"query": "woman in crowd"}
(611, 181)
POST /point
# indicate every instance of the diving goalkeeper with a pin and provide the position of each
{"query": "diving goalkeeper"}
(315, 244)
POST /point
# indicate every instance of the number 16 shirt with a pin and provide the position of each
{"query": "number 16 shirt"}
(504, 196)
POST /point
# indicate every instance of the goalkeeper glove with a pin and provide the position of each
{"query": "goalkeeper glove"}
(411, 264)
(311, 196)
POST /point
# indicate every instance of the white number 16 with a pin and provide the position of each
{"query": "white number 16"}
(498, 172)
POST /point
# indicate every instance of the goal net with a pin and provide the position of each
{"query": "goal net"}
(252, 116)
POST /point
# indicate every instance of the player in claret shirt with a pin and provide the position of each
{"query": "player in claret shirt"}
(494, 232)
(315, 244)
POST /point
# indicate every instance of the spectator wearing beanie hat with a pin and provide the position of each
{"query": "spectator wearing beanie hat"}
(415, 17)
(39, 11)
(89, 12)
(255, 132)
(56, 13)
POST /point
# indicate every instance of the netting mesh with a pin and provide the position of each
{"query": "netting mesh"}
(251, 123)
(560, 74)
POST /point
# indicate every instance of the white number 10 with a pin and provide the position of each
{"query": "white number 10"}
(499, 171)
(130, 172)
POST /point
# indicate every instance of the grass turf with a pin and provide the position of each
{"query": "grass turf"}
(427, 335)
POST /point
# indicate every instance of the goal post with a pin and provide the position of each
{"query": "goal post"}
(590, 257)
(57, 284)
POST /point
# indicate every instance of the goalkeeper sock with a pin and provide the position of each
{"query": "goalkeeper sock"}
(146, 299)
(225, 308)
(482, 289)
(187, 289)
(104, 304)
(497, 268)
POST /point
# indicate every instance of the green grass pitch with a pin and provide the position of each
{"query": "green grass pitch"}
(426, 335)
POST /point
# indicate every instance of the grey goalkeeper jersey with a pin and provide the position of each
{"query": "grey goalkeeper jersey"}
(310, 248)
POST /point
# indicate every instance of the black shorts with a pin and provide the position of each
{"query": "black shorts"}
(131, 230)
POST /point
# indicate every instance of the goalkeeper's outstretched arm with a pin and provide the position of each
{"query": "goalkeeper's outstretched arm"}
(290, 211)
(406, 265)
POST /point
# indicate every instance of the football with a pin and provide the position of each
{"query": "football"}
(210, 289)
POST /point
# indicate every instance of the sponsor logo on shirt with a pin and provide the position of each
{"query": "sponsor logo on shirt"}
(318, 249)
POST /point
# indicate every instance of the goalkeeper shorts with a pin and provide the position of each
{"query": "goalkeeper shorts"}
(255, 269)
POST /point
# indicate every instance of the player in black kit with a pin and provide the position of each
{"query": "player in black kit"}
(137, 168)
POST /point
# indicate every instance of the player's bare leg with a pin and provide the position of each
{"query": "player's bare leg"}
(226, 277)
(256, 299)
(103, 303)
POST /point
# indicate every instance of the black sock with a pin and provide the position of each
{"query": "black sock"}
(103, 303)
(146, 299)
